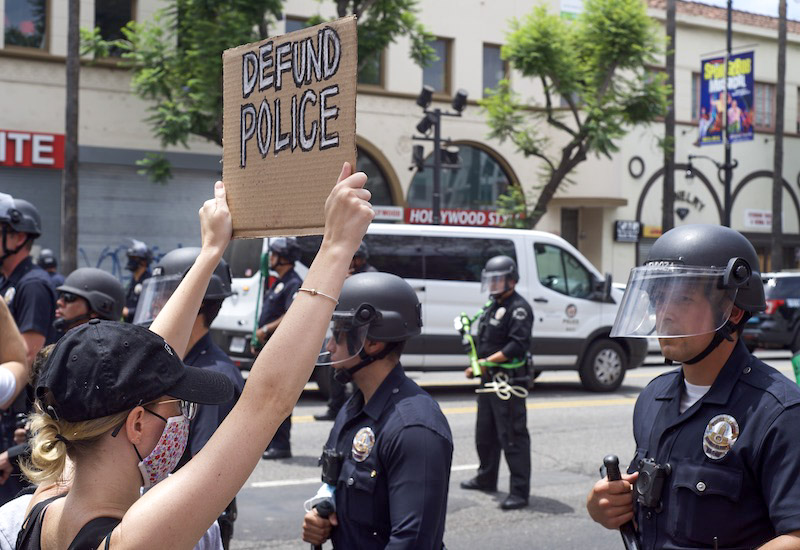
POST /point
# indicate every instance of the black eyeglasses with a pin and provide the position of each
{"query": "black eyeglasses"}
(68, 297)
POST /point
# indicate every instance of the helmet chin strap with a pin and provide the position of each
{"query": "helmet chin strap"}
(345, 376)
(724, 333)
(62, 324)
(6, 250)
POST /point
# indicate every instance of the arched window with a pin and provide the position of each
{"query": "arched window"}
(474, 186)
(378, 183)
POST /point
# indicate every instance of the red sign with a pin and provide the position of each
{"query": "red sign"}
(31, 149)
(456, 217)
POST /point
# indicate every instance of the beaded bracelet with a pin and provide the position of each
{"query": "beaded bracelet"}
(314, 292)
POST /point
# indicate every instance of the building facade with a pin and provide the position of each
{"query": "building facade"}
(116, 203)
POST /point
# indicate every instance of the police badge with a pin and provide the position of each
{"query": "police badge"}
(9, 296)
(363, 442)
(721, 433)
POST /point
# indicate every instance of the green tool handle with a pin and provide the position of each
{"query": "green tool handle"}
(263, 272)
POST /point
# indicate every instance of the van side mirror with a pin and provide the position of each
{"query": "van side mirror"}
(607, 287)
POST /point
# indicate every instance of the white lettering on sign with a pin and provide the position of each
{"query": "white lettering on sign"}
(31, 149)
(19, 140)
(43, 145)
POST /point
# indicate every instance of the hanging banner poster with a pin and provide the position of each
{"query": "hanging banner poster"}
(739, 103)
(289, 123)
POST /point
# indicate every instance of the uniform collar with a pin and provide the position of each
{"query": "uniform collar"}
(199, 348)
(721, 389)
(286, 276)
(22, 268)
(375, 406)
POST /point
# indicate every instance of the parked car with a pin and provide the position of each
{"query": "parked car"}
(574, 304)
(779, 325)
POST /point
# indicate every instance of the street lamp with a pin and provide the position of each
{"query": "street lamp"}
(725, 167)
(443, 158)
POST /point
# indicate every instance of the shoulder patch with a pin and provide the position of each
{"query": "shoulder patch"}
(520, 314)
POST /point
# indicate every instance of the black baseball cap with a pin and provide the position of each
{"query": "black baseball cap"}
(106, 367)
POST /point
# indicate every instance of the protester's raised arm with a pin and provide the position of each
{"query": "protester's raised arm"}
(13, 353)
(174, 322)
(200, 490)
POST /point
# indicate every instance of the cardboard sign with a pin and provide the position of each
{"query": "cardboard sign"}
(289, 123)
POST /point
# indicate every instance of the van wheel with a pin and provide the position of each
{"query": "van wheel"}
(321, 376)
(603, 366)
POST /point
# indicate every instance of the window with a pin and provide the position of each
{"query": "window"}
(462, 259)
(25, 23)
(695, 96)
(398, 254)
(295, 23)
(110, 16)
(561, 271)
(474, 186)
(494, 68)
(764, 106)
(377, 184)
(437, 74)
(372, 71)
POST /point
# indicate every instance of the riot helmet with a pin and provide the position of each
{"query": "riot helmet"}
(693, 276)
(376, 306)
(19, 216)
(101, 290)
(137, 253)
(496, 274)
(285, 247)
(168, 274)
(47, 260)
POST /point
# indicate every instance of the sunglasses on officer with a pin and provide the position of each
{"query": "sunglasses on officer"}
(67, 297)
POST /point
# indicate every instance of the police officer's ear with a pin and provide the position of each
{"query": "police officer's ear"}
(736, 315)
(373, 347)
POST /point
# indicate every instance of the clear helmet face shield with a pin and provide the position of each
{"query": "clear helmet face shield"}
(154, 295)
(672, 302)
(495, 282)
(346, 335)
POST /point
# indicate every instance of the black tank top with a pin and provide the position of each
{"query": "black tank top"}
(88, 538)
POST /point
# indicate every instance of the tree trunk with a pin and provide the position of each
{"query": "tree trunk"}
(668, 213)
(568, 162)
(777, 181)
(69, 184)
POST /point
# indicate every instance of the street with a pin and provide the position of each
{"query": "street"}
(571, 430)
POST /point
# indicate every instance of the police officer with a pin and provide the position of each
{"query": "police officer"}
(203, 352)
(47, 261)
(31, 298)
(88, 293)
(284, 252)
(504, 337)
(139, 259)
(338, 395)
(388, 455)
(717, 459)
(360, 264)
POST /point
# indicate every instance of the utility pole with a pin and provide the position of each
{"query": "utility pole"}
(437, 167)
(726, 219)
(777, 169)
(668, 214)
(69, 182)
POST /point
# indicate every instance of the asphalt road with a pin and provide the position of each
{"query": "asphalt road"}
(571, 430)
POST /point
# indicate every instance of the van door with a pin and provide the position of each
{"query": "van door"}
(564, 305)
(453, 266)
(401, 255)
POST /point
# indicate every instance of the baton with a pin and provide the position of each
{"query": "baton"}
(627, 530)
(324, 509)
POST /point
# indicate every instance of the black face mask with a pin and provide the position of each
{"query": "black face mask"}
(133, 264)
(63, 325)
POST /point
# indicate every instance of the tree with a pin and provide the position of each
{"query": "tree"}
(176, 57)
(598, 66)
(777, 169)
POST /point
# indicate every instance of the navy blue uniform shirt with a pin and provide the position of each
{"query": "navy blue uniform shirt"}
(31, 298)
(506, 326)
(207, 355)
(392, 493)
(132, 294)
(279, 297)
(56, 278)
(744, 498)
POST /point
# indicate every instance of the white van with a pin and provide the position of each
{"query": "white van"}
(574, 305)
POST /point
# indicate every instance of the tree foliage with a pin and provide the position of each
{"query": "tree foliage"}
(599, 65)
(176, 57)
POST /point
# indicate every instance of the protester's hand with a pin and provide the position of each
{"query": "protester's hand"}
(610, 503)
(347, 211)
(261, 334)
(215, 221)
(6, 468)
(20, 436)
(469, 373)
(316, 529)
